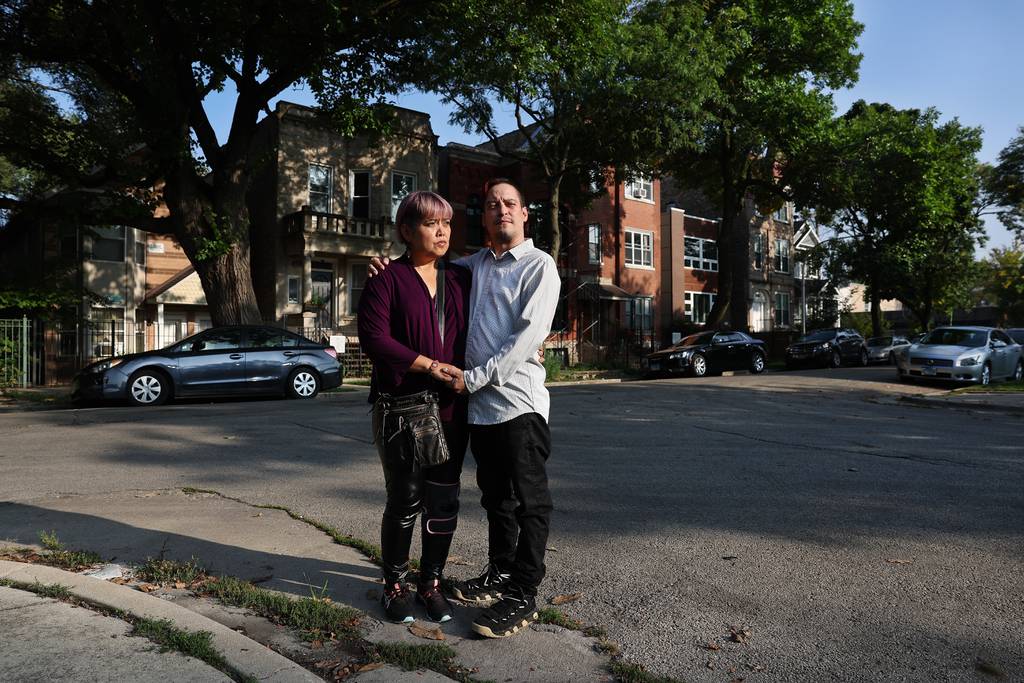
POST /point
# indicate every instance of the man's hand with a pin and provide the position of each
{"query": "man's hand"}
(540, 355)
(450, 375)
(377, 265)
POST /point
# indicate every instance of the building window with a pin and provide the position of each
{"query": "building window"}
(294, 289)
(320, 188)
(760, 314)
(402, 185)
(594, 244)
(759, 251)
(697, 305)
(108, 244)
(639, 249)
(782, 214)
(359, 191)
(474, 221)
(640, 314)
(781, 309)
(700, 254)
(641, 188)
(140, 253)
(782, 256)
(356, 284)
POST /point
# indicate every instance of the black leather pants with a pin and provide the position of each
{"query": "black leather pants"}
(410, 489)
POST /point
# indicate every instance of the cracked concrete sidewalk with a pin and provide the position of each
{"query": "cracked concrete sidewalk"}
(284, 554)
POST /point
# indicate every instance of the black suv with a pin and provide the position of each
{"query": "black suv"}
(827, 348)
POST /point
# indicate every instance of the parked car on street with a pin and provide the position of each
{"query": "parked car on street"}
(883, 349)
(709, 353)
(1016, 334)
(827, 348)
(962, 354)
(222, 361)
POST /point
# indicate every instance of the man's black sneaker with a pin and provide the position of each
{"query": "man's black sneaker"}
(484, 589)
(509, 615)
(438, 607)
(397, 603)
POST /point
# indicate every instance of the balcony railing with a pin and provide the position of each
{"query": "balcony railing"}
(308, 220)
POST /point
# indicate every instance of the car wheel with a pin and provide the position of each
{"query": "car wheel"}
(836, 360)
(303, 383)
(863, 358)
(148, 388)
(757, 363)
(1018, 374)
(986, 375)
(699, 365)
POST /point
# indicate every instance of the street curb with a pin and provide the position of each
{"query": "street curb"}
(241, 653)
(572, 383)
(950, 403)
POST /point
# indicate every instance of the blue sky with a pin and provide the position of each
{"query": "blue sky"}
(961, 58)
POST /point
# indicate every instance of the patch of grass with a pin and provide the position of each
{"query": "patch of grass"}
(159, 570)
(994, 388)
(56, 555)
(45, 590)
(358, 381)
(163, 632)
(316, 618)
(433, 657)
(625, 672)
(550, 615)
(595, 632)
(46, 397)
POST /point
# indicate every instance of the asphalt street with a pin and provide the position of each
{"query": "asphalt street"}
(788, 526)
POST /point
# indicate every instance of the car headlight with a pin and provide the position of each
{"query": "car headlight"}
(970, 360)
(105, 365)
(681, 355)
(823, 347)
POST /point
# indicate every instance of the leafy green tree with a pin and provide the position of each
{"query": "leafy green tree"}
(598, 84)
(1003, 185)
(1002, 276)
(899, 190)
(771, 103)
(137, 75)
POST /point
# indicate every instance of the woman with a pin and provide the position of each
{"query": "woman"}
(400, 330)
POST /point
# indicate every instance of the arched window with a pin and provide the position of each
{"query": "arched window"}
(760, 314)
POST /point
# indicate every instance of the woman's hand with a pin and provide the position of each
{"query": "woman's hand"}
(377, 266)
(450, 375)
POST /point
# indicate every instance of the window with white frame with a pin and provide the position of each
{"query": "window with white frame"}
(320, 188)
(782, 214)
(697, 305)
(294, 289)
(782, 309)
(639, 248)
(759, 251)
(356, 285)
(594, 244)
(641, 188)
(402, 185)
(782, 256)
(359, 194)
(760, 314)
(700, 253)
(108, 244)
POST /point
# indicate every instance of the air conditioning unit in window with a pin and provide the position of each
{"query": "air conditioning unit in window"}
(640, 192)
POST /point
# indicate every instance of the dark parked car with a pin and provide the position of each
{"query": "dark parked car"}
(827, 348)
(223, 361)
(708, 353)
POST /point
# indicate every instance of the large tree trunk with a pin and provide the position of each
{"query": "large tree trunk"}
(726, 237)
(740, 272)
(876, 308)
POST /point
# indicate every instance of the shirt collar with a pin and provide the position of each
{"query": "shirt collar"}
(516, 251)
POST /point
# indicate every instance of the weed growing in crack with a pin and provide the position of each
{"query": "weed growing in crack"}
(550, 615)
(159, 570)
(632, 673)
(433, 657)
(55, 554)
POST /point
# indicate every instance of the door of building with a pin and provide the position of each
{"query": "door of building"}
(323, 293)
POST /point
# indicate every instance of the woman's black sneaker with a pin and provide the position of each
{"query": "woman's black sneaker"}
(484, 589)
(397, 603)
(438, 607)
(514, 612)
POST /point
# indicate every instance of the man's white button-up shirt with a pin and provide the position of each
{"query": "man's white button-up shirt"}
(512, 304)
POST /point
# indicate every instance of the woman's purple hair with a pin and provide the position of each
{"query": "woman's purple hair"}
(418, 206)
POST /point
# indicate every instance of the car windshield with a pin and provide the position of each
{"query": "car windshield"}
(953, 337)
(879, 341)
(819, 335)
(697, 339)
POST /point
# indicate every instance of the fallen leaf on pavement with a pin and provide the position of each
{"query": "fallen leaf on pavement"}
(147, 587)
(120, 581)
(327, 664)
(418, 629)
(895, 561)
(739, 635)
(455, 559)
(180, 584)
(372, 666)
(565, 598)
(552, 549)
(710, 645)
(316, 644)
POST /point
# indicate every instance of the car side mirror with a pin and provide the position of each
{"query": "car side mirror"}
(198, 346)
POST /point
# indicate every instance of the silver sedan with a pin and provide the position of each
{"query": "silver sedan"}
(884, 349)
(962, 354)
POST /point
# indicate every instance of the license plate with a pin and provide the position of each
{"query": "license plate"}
(927, 371)
(655, 365)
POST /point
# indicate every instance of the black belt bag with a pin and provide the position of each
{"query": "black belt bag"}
(412, 423)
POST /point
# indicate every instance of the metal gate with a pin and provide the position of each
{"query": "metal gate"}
(20, 361)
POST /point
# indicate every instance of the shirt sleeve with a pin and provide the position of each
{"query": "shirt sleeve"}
(467, 262)
(530, 329)
(374, 323)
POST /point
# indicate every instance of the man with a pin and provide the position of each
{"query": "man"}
(512, 303)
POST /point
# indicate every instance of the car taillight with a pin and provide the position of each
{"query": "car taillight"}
(332, 352)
